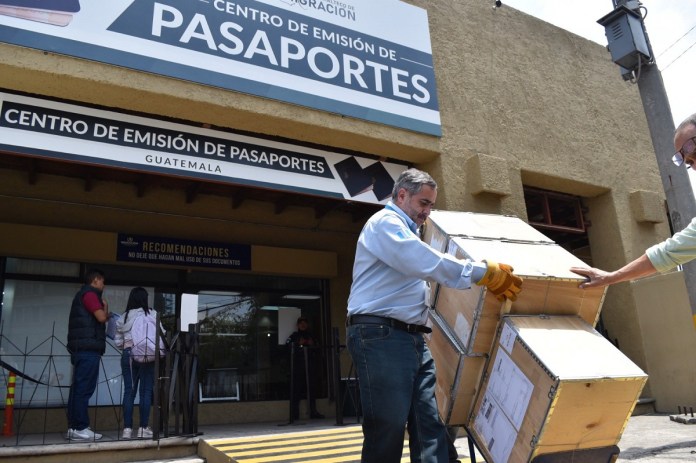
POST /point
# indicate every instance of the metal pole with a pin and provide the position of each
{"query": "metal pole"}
(675, 181)
(681, 204)
(292, 381)
(336, 370)
(307, 385)
(679, 193)
(156, 425)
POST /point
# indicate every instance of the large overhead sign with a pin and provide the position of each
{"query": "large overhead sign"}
(361, 58)
(38, 127)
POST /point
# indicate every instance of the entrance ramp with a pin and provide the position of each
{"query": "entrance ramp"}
(335, 445)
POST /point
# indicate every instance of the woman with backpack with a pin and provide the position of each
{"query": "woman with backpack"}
(138, 370)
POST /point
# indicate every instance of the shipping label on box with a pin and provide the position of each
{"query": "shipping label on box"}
(495, 429)
(503, 406)
(510, 388)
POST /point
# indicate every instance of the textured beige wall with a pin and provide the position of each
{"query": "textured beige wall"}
(667, 331)
(522, 103)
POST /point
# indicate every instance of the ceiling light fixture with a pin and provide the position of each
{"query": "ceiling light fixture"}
(276, 307)
(305, 297)
(220, 293)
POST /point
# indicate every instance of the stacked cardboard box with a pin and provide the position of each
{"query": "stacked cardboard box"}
(514, 411)
(472, 316)
(459, 374)
(549, 285)
(553, 385)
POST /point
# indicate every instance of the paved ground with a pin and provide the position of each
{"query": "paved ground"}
(647, 439)
(653, 438)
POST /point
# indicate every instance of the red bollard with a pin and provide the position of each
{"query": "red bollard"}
(9, 405)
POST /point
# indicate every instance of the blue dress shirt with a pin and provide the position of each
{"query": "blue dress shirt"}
(392, 265)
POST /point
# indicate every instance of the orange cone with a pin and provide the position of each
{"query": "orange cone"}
(9, 405)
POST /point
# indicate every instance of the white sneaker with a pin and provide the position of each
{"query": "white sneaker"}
(127, 433)
(145, 433)
(83, 434)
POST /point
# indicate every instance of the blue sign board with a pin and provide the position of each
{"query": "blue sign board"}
(361, 58)
(187, 253)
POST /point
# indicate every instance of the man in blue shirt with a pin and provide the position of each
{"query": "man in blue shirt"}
(387, 316)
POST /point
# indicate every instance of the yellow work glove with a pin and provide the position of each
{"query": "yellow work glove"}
(500, 280)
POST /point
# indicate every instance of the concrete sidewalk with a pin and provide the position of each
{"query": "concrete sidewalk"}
(648, 438)
(655, 438)
(652, 438)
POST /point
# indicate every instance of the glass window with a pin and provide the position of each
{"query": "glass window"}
(34, 338)
(243, 349)
(42, 267)
(244, 319)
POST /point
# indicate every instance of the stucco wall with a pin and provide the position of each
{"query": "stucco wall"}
(667, 331)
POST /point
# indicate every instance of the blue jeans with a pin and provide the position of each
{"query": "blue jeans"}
(396, 374)
(136, 376)
(84, 382)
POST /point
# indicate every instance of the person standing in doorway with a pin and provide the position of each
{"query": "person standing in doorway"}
(137, 376)
(304, 378)
(86, 344)
(388, 314)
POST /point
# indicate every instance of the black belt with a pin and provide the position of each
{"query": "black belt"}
(375, 320)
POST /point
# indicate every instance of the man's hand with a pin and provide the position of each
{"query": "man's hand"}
(500, 280)
(594, 277)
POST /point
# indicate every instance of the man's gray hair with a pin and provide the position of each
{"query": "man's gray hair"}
(691, 120)
(412, 180)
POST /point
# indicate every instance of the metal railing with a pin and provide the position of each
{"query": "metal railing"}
(38, 373)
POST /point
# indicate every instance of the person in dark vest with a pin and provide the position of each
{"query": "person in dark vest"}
(86, 344)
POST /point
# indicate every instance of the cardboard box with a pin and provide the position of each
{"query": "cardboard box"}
(441, 225)
(549, 286)
(458, 375)
(553, 384)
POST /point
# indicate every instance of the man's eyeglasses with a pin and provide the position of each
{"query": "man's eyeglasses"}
(689, 147)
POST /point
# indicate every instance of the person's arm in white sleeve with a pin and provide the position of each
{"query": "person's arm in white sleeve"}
(662, 257)
(674, 251)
